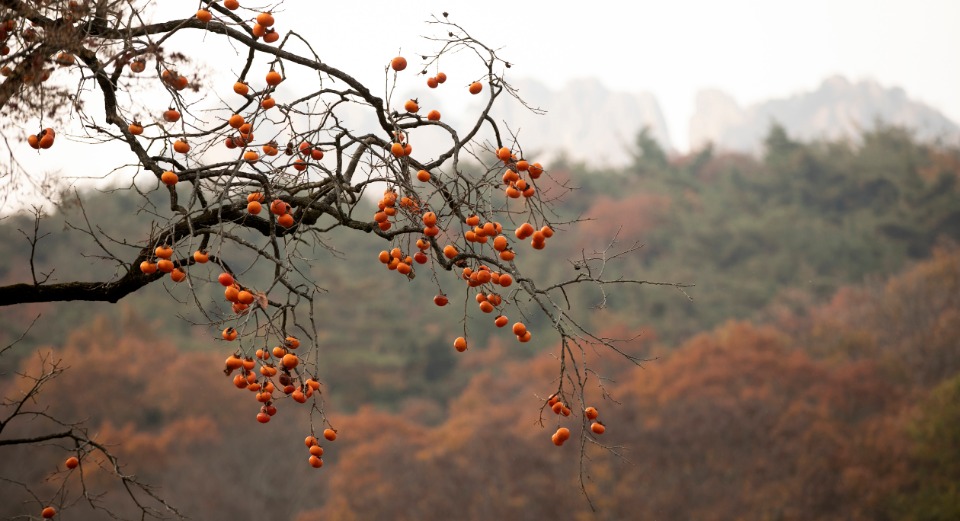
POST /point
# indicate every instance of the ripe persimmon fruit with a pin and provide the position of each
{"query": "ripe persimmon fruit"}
(278, 207)
(285, 220)
(535, 170)
(591, 413)
(232, 294)
(225, 279)
(233, 362)
(165, 265)
(290, 360)
(265, 19)
(298, 396)
(274, 78)
(484, 277)
(245, 297)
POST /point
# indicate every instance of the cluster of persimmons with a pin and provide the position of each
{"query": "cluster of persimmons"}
(479, 250)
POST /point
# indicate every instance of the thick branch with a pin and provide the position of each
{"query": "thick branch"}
(89, 291)
(38, 439)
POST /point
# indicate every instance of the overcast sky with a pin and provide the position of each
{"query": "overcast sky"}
(753, 49)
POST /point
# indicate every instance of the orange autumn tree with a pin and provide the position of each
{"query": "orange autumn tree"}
(242, 183)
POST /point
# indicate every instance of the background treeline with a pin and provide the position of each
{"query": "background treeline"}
(815, 375)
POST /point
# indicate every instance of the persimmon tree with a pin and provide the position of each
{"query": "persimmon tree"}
(253, 182)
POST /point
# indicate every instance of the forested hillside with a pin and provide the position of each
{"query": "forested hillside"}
(813, 374)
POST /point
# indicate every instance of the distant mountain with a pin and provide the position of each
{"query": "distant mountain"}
(837, 109)
(585, 120)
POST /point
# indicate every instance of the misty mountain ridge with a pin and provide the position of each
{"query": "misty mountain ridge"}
(838, 109)
(584, 120)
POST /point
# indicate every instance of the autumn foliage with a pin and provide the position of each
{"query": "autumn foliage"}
(746, 418)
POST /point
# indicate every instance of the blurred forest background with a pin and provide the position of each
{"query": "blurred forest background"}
(815, 375)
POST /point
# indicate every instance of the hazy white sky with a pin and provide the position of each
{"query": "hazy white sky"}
(753, 49)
